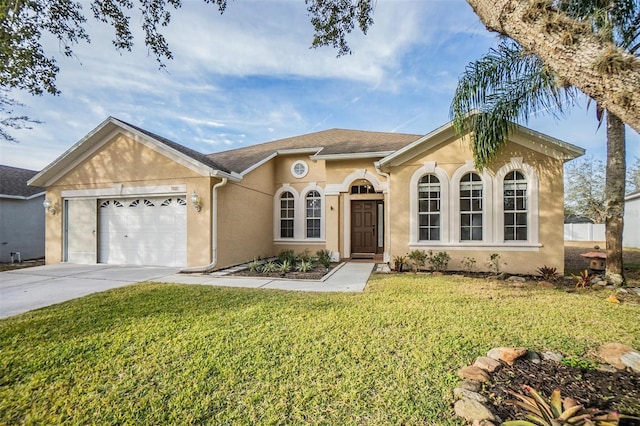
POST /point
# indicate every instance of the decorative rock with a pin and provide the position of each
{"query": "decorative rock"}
(611, 353)
(464, 393)
(516, 279)
(472, 410)
(487, 364)
(473, 373)
(533, 357)
(622, 291)
(631, 360)
(470, 385)
(546, 284)
(508, 355)
(606, 368)
(501, 276)
(552, 356)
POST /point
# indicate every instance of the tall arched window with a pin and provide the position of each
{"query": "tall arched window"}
(313, 214)
(287, 214)
(429, 197)
(515, 207)
(471, 207)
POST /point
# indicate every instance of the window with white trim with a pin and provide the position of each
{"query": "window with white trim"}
(299, 169)
(313, 214)
(429, 201)
(287, 214)
(471, 209)
(515, 206)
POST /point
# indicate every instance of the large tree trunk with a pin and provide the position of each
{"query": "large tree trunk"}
(614, 193)
(599, 69)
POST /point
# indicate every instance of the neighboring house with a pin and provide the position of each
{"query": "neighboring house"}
(630, 234)
(21, 215)
(125, 195)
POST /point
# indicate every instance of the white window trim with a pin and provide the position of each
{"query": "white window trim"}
(429, 167)
(517, 164)
(299, 175)
(345, 186)
(492, 214)
(276, 213)
(487, 205)
(303, 212)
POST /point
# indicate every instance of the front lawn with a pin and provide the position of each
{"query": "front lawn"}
(177, 354)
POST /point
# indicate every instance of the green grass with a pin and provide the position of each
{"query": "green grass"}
(160, 353)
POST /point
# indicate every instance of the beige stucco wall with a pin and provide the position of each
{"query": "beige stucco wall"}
(122, 160)
(245, 218)
(454, 155)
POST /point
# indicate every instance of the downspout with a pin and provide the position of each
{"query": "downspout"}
(214, 233)
(387, 219)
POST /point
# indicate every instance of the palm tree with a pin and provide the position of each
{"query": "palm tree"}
(509, 85)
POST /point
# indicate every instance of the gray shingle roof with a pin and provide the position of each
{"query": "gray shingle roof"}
(13, 182)
(204, 159)
(333, 141)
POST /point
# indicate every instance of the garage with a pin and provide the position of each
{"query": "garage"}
(143, 231)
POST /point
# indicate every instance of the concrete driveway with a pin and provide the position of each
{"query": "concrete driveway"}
(31, 288)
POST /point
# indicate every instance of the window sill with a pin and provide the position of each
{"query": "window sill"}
(480, 246)
(299, 241)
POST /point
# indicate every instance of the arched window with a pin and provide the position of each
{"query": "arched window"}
(429, 197)
(515, 206)
(287, 214)
(471, 207)
(313, 214)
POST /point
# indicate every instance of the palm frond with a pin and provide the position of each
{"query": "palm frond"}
(504, 87)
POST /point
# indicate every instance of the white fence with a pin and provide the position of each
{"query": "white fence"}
(584, 232)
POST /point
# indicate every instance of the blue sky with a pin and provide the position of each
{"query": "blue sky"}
(249, 76)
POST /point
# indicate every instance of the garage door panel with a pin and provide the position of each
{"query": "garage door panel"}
(147, 231)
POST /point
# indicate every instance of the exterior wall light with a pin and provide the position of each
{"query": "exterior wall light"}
(48, 206)
(195, 201)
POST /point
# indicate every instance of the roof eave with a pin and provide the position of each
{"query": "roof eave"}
(50, 173)
(22, 197)
(351, 156)
(401, 155)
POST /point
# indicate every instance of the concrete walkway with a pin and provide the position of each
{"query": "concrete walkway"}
(349, 277)
(22, 290)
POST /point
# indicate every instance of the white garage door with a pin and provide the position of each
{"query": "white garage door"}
(143, 231)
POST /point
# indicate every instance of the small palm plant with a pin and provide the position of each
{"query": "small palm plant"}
(254, 266)
(269, 267)
(584, 279)
(556, 411)
(306, 265)
(284, 267)
(548, 273)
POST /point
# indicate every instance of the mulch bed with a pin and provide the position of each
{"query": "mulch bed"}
(619, 391)
(316, 273)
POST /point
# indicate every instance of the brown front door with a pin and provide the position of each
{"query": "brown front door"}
(363, 227)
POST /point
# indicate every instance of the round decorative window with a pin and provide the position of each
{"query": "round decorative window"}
(299, 169)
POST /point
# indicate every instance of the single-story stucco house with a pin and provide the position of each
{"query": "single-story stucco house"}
(21, 216)
(125, 195)
(630, 234)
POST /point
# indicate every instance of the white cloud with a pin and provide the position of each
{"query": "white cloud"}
(201, 122)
